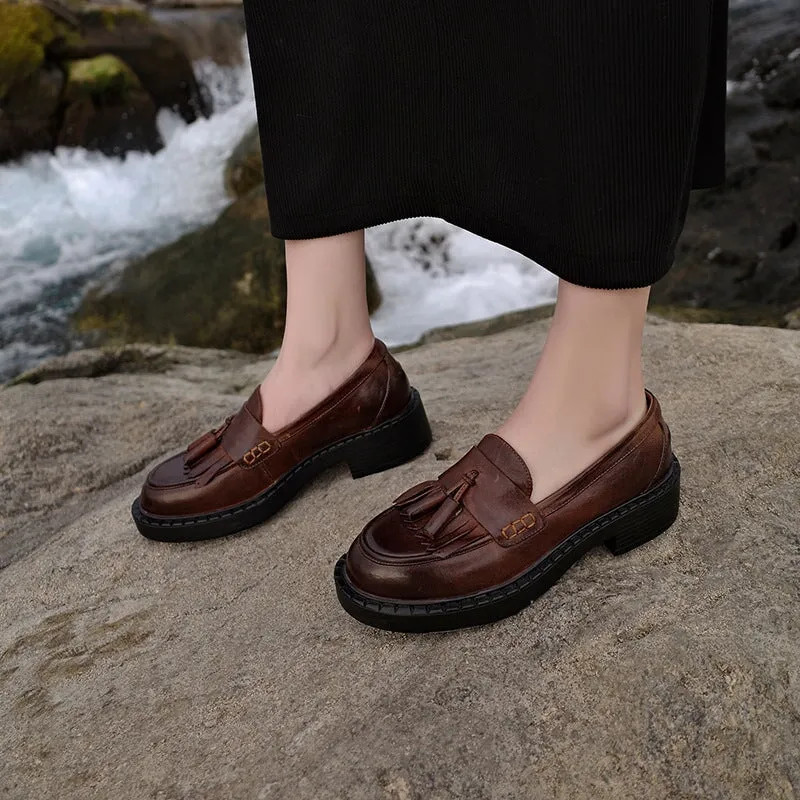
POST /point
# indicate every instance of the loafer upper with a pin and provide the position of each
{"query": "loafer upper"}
(475, 527)
(240, 459)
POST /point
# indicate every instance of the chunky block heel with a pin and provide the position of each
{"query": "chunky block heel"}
(651, 516)
(391, 444)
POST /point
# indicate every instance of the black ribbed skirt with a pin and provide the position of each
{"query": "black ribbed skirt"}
(568, 130)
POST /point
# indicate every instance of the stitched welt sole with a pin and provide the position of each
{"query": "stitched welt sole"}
(621, 529)
(385, 446)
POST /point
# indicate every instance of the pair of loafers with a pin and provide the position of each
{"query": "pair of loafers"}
(464, 549)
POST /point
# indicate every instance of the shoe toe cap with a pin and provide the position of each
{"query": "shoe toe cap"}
(170, 472)
(388, 561)
(167, 490)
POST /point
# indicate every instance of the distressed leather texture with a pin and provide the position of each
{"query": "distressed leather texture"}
(475, 528)
(240, 459)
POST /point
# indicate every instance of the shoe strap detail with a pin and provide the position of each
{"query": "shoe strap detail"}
(246, 441)
(256, 453)
(516, 527)
(204, 444)
(240, 439)
(449, 506)
(475, 485)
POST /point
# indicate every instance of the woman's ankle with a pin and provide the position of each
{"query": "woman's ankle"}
(306, 372)
(310, 351)
(611, 418)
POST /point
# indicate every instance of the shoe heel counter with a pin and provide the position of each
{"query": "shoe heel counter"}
(667, 435)
(397, 393)
(664, 459)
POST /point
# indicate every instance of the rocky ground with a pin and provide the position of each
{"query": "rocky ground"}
(133, 669)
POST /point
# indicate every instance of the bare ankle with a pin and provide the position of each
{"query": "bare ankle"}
(608, 420)
(311, 351)
(306, 372)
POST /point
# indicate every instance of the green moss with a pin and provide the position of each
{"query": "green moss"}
(108, 19)
(102, 76)
(25, 32)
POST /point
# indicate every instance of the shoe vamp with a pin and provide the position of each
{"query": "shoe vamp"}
(393, 537)
(169, 473)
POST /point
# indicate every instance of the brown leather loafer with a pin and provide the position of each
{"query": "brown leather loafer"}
(471, 547)
(241, 474)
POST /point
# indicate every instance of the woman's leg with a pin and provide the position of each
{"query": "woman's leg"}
(328, 333)
(587, 391)
(237, 474)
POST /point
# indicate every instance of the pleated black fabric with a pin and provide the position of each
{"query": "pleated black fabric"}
(568, 130)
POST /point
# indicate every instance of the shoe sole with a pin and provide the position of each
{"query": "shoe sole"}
(620, 530)
(387, 445)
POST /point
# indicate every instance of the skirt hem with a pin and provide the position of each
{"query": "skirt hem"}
(571, 266)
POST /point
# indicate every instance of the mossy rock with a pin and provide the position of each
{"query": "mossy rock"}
(25, 32)
(106, 108)
(114, 54)
(223, 286)
(245, 170)
(102, 77)
(157, 59)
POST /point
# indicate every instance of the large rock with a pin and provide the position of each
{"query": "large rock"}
(157, 59)
(133, 669)
(107, 109)
(30, 113)
(740, 251)
(38, 44)
(221, 286)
